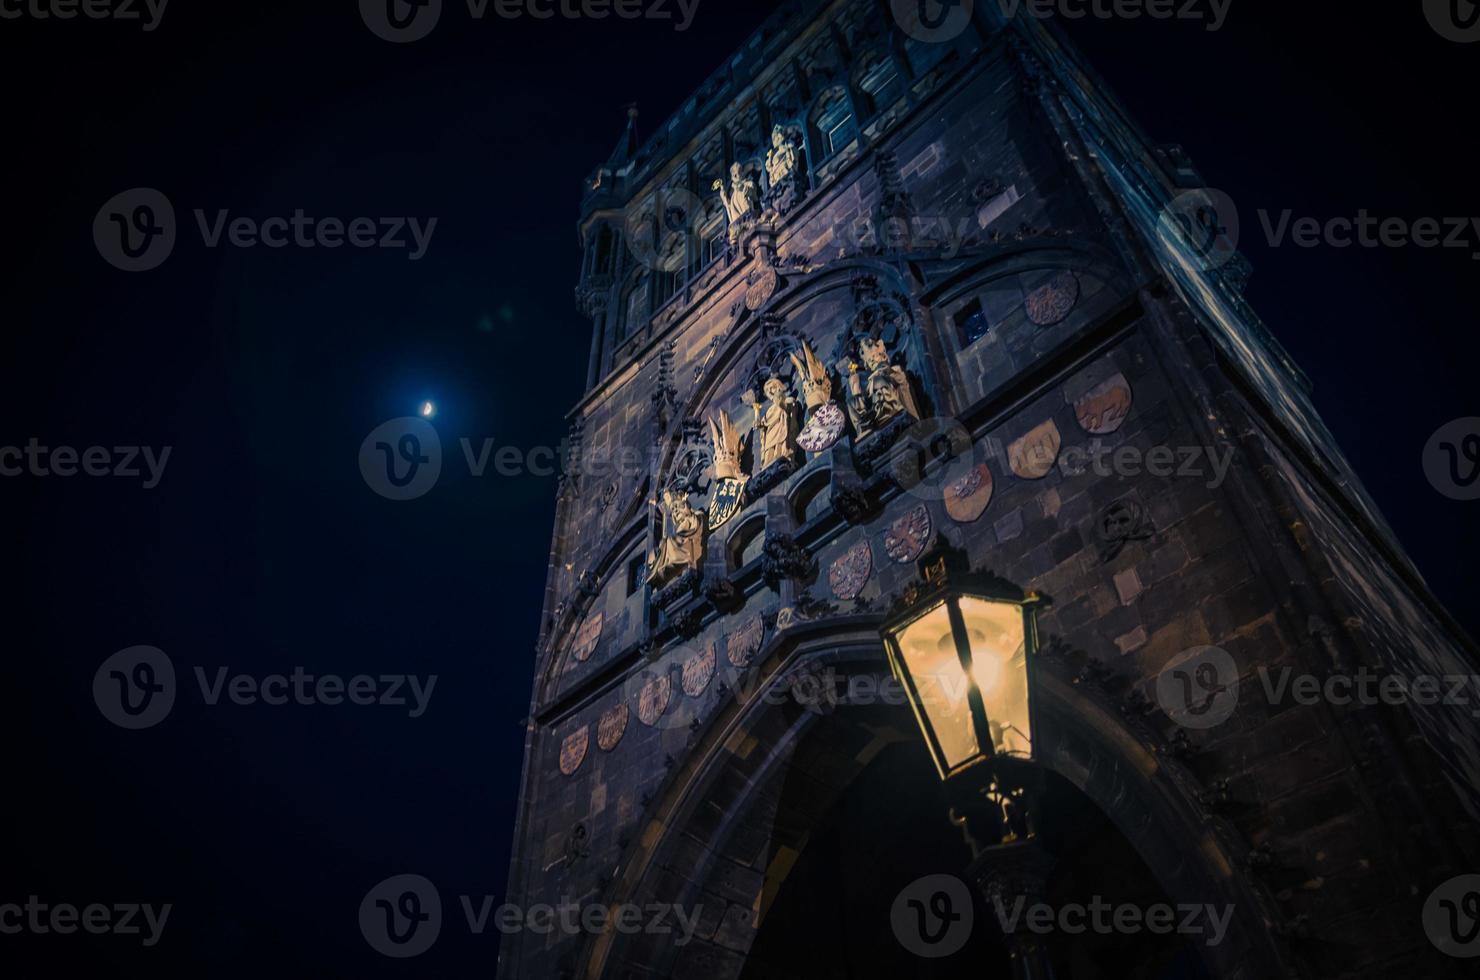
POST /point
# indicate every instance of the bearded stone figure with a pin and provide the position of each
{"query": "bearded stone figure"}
(682, 546)
(775, 424)
(880, 390)
(742, 200)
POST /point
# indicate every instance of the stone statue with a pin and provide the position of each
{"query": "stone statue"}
(681, 548)
(742, 200)
(775, 424)
(879, 391)
(783, 172)
(781, 158)
(816, 385)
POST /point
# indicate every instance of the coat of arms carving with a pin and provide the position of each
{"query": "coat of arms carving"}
(743, 644)
(698, 671)
(850, 573)
(652, 699)
(587, 637)
(1104, 408)
(612, 726)
(1033, 456)
(968, 496)
(573, 750)
(907, 537)
(1054, 300)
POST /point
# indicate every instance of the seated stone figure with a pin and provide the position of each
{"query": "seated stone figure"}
(682, 546)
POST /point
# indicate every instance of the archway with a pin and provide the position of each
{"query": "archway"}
(778, 778)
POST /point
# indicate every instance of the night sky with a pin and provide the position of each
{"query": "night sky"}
(262, 549)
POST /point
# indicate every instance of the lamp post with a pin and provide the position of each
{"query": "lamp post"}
(962, 645)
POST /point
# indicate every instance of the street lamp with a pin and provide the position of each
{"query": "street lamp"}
(962, 644)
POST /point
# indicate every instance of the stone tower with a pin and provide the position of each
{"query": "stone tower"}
(885, 284)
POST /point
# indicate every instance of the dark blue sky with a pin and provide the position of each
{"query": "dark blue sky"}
(262, 548)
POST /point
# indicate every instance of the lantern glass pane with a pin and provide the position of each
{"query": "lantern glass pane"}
(999, 665)
(929, 651)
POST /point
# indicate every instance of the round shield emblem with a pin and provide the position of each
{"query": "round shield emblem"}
(823, 429)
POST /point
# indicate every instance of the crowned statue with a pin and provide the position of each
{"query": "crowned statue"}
(878, 391)
(681, 548)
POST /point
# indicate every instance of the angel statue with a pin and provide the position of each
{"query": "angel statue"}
(681, 548)
(775, 423)
(742, 200)
(879, 391)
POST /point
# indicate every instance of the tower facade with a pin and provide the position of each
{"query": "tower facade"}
(886, 285)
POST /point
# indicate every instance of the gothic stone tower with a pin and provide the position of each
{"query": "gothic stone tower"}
(877, 287)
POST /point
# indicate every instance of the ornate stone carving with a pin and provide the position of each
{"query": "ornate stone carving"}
(652, 699)
(1104, 408)
(587, 637)
(1121, 523)
(850, 573)
(853, 504)
(816, 385)
(969, 496)
(907, 537)
(1053, 301)
(743, 644)
(681, 548)
(612, 726)
(698, 671)
(573, 750)
(1033, 456)
(782, 558)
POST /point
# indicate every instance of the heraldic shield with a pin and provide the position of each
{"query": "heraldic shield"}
(725, 501)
